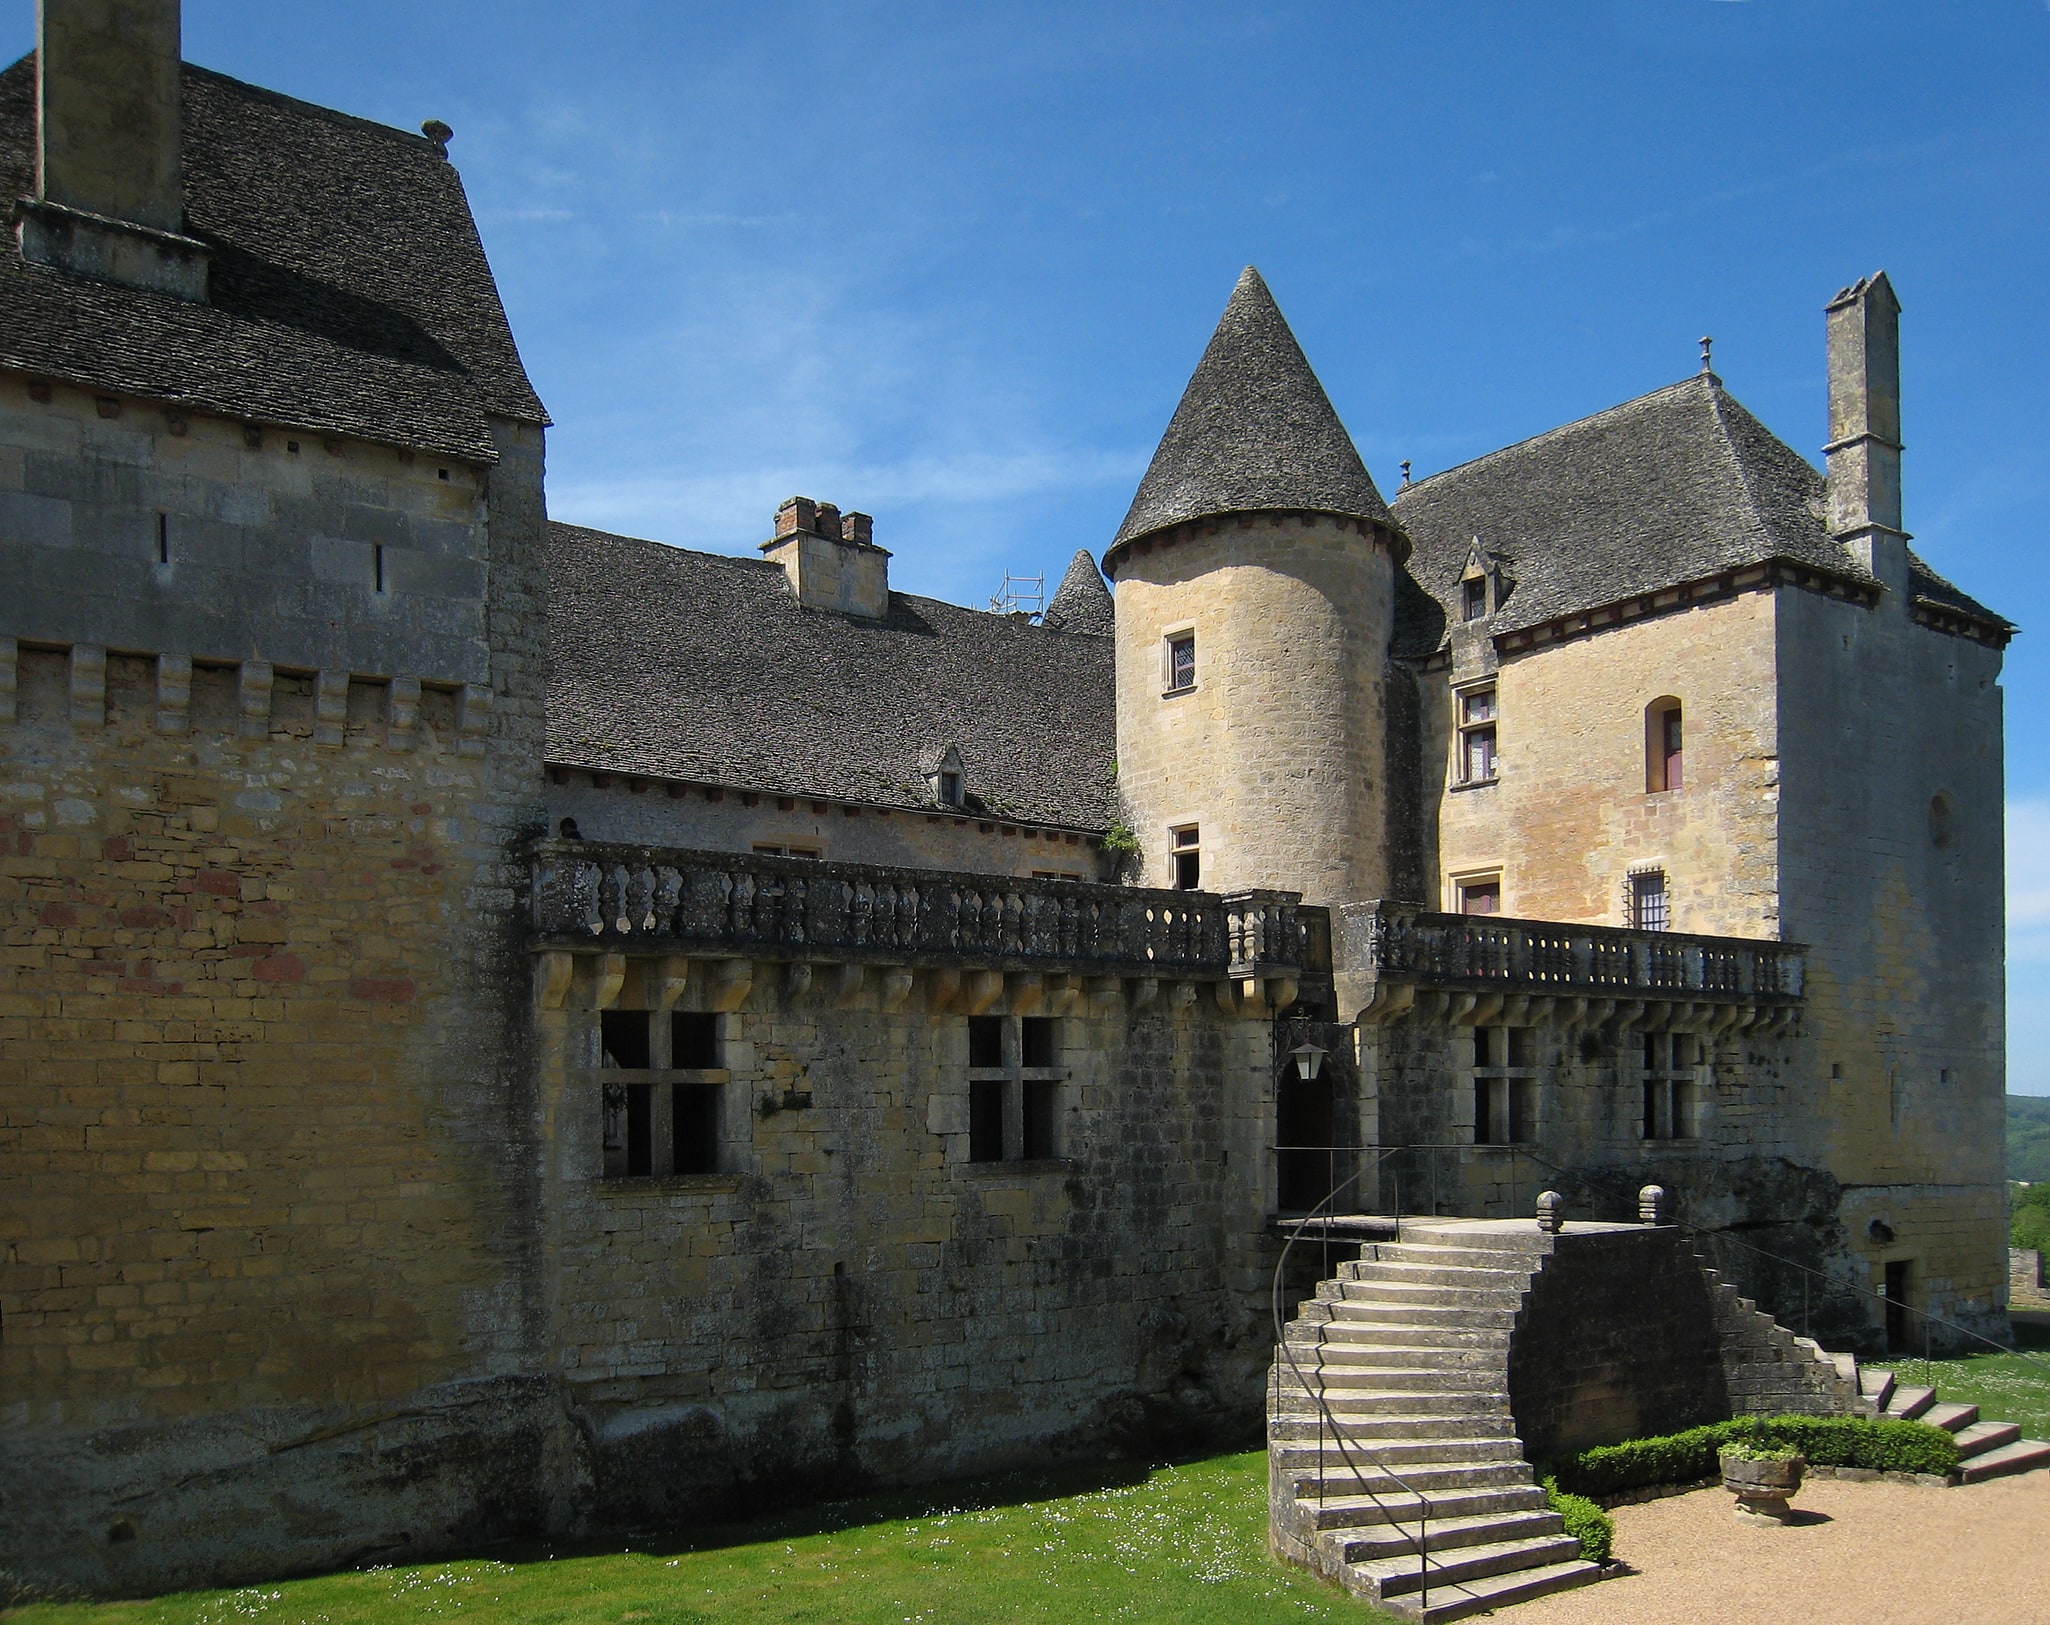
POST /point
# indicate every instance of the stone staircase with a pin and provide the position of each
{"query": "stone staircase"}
(1426, 1507)
(1985, 1449)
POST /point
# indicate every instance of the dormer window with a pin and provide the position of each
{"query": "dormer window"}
(1474, 599)
(946, 779)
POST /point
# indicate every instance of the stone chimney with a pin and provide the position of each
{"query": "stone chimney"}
(831, 558)
(109, 197)
(1864, 449)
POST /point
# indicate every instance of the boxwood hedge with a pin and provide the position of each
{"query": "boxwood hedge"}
(1827, 1441)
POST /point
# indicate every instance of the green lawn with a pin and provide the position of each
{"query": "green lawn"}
(1183, 1544)
(2005, 1387)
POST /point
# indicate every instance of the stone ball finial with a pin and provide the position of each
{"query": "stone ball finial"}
(1651, 1205)
(439, 133)
(1551, 1212)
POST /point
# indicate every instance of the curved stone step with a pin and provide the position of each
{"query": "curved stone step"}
(1305, 1455)
(1466, 1597)
(1360, 1510)
(1445, 1534)
(1371, 1473)
(1981, 1437)
(1399, 1576)
(1951, 1418)
(2024, 1455)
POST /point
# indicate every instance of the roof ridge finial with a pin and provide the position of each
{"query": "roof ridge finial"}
(1707, 344)
(1405, 474)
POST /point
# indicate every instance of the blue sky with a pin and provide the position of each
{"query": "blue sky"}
(951, 264)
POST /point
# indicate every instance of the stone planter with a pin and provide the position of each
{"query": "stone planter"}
(1762, 1488)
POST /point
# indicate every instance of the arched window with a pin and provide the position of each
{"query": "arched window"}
(1663, 739)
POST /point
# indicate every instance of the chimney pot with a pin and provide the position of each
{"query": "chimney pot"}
(797, 513)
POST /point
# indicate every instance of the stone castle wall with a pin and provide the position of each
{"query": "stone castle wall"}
(1880, 717)
(1570, 817)
(268, 1117)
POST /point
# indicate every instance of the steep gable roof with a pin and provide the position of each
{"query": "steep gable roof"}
(706, 668)
(1672, 486)
(1254, 432)
(349, 293)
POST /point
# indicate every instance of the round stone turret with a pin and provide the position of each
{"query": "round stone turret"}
(1255, 591)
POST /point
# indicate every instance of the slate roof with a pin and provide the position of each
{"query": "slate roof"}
(1254, 431)
(1670, 487)
(705, 668)
(349, 292)
(1082, 603)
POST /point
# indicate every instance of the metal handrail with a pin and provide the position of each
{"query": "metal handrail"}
(1324, 1412)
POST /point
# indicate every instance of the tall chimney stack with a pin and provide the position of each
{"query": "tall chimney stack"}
(109, 197)
(1864, 449)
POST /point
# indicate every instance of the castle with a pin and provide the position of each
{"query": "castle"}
(513, 1028)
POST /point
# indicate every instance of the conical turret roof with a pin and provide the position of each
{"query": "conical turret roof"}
(1081, 603)
(1254, 431)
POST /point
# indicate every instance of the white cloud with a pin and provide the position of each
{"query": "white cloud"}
(2028, 945)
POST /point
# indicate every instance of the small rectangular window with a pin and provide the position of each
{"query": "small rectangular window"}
(1037, 1041)
(623, 1039)
(1481, 896)
(1186, 844)
(986, 1120)
(163, 538)
(693, 1039)
(1474, 599)
(985, 1041)
(1041, 1098)
(695, 1127)
(1477, 722)
(1650, 908)
(1181, 662)
(949, 791)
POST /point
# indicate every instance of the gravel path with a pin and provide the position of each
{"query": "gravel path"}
(1868, 1554)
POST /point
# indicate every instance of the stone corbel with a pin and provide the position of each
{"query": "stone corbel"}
(1281, 991)
(553, 973)
(796, 981)
(1227, 995)
(848, 980)
(1027, 993)
(1061, 993)
(88, 685)
(942, 988)
(731, 984)
(1143, 991)
(1475, 1009)
(667, 978)
(979, 990)
(1628, 1013)
(1516, 1010)
(1726, 1017)
(897, 983)
(252, 693)
(174, 694)
(1103, 991)
(1390, 1000)
(1181, 995)
(607, 978)
(331, 709)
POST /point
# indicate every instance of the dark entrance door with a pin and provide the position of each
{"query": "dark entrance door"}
(1897, 1316)
(1305, 1118)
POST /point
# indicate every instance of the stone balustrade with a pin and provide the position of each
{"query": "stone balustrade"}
(1393, 949)
(746, 905)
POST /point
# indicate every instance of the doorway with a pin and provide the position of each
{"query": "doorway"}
(1898, 1316)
